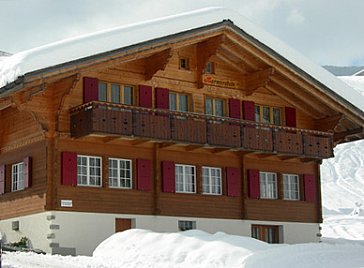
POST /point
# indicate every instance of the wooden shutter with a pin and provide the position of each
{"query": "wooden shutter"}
(27, 172)
(309, 181)
(234, 108)
(2, 179)
(290, 114)
(162, 98)
(69, 168)
(90, 89)
(144, 182)
(253, 184)
(168, 174)
(249, 110)
(233, 181)
(145, 96)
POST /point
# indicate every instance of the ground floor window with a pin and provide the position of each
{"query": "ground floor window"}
(291, 187)
(211, 180)
(88, 170)
(268, 185)
(186, 225)
(267, 233)
(185, 178)
(17, 176)
(120, 173)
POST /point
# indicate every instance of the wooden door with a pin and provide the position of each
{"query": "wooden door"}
(122, 225)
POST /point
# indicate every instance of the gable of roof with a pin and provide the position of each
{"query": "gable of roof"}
(99, 44)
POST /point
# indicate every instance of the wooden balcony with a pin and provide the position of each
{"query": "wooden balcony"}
(191, 128)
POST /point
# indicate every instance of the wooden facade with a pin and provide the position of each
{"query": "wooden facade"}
(58, 110)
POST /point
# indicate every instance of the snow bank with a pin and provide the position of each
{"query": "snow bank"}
(186, 249)
(108, 40)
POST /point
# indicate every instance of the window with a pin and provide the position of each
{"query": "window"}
(17, 176)
(178, 102)
(185, 179)
(214, 106)
(268, 185)
(291, 187)
(184, 64)
(267, 233)
(120, 173)
(116, 93)
(210, 68)
(186, 225)
(268, 115)
(211, 180)
(88, 170)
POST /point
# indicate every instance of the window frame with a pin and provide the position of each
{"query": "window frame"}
(184, 63)
(209, 68)
(88, 167)
(178, 101)
(109, 89)
(258, 232)
(210, 179)
(17, 177)
(289, 189)
(271, 114)
(119, 179)
(267, 192)
(182, 225)
(184, 183)
(214, 99)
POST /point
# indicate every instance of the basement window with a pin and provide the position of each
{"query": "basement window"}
(186, 225)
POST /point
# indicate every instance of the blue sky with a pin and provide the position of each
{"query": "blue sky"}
(329, 32)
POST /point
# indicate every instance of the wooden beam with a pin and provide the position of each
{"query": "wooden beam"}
(351, 132)
(191, 148)
(233, 64)
(204, 51)
(5, 103)
(328, 123)
(293, 100)
(156, 62)
(219, 150)
(139, 142)
(242, 55)
(258, 79)
(164, 145)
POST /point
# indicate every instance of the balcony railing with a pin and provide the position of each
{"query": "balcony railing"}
(192, 128)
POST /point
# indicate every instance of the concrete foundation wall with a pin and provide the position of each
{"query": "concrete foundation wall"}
(71, 233)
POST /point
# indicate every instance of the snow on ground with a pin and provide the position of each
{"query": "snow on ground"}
(141, 248)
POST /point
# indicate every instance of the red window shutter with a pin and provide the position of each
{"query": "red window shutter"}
(145, 96)
(90, 89)
(248, 109)
(168, 175)
(162, 98)
(69, 168)
(27, 172)
(233, 181)
(2, 179)
(309, 181)
(290, 116)
(143, 175)
(253, 183)
(234, 108)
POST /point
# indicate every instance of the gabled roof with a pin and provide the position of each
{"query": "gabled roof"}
(13, 68)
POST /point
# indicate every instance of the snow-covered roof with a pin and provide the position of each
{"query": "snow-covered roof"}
(359, 73)
(88, 45)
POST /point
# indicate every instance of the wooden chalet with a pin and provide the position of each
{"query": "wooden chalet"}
(206, 127)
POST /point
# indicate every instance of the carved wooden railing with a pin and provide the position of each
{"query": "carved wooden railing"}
(165, 125)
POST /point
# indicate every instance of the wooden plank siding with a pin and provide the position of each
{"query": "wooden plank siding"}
(30, 200)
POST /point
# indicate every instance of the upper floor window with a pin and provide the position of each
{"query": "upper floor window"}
(116, 93)
(120, 173)
(178, 102)
(184, 63)
(214, 106)
(210, 68)
(268, 185)
(268, 115)
(17, 176)
(185, 178)
(291, 190)
(211, 180)
(88, 170)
